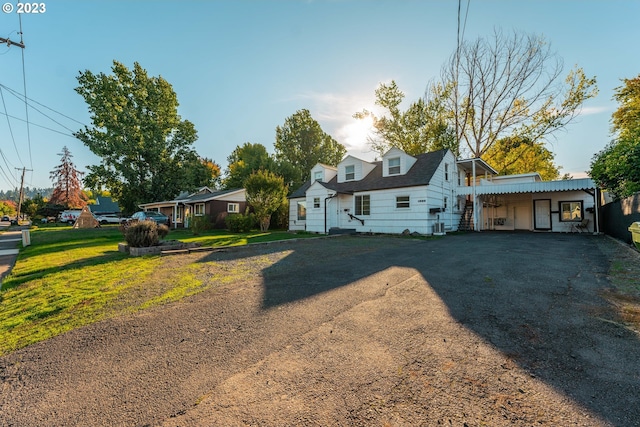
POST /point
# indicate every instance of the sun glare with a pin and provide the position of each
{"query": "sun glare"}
(354, 135)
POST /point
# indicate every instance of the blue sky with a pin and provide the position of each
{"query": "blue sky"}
(240, 68)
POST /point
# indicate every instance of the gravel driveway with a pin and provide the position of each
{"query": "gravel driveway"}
(479, 329)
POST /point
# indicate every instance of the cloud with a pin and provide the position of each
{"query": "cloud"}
(335, 113)
(589, 111)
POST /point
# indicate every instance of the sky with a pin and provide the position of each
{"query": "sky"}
(240, 68)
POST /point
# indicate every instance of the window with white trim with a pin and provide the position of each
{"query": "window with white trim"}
(445, 202)
(317, 176)
(403, 202)
(198, 209)
(316, 202)
(394, 166)
(446, 171)
(302, 211)
(233, 207)
(363, 205)
(349, 173)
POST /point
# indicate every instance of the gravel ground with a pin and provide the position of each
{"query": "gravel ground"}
(480, 329)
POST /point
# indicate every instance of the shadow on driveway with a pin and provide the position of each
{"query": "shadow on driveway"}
(532, 296)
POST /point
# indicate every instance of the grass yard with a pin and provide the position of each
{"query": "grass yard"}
(69, 278)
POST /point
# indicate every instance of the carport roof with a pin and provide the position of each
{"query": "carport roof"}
(530, 187)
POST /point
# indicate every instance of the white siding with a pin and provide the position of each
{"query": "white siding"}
(406, 161)
(361, 168)
(315, 216)
(328, 172)
(294, 223)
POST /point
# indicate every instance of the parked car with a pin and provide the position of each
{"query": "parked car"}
(6, 218)
(151, 215)
(69, 216)
(110, 219)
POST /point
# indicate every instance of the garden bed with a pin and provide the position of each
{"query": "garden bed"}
(171, 245)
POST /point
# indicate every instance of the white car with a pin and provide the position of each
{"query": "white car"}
(109, 219)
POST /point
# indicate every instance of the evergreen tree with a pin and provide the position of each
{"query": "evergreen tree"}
(67, 188)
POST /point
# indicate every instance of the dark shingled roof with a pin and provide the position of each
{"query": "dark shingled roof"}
(420, 174)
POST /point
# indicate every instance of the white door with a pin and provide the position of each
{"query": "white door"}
(542, 218)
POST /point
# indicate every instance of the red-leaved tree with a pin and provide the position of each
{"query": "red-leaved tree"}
(67, 187)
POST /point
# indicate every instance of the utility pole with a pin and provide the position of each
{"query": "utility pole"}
(21, 196)
(11, 42)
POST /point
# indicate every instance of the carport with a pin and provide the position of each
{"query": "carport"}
(554, 206)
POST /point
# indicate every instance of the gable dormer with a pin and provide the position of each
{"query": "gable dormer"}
(353, 169)
(322, 173)
(396, 162)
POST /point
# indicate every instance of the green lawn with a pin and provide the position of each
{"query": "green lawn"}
(69, 278)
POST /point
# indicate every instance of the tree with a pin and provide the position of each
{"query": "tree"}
(8, 207)
(514, 155)
(207, 175)
(67, 182)
(301, 144)
(511, 86)
(244, 161)
(145, 146)
(266, 193)
(617, 167)
(423, 127)
(34, 206)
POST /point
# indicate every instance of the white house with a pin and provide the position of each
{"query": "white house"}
(433, 193)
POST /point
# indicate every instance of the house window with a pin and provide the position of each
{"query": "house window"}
(446, 171)
(394, 166)
(198, 209)
(317, 176)
(179, 213)
(571, 211)
(445, 202)
(316, 202)
(402, 202)
(363, 205)
(302, 211)
(349, 173)
(233, 207)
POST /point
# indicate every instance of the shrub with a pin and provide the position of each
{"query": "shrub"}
(198, 224)
(240, 223)
(163, 230)
(142, 234)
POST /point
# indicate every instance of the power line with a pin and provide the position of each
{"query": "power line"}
(9, 124)
(40, 126)
(21, 98)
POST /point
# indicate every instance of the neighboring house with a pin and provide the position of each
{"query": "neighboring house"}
(104, 205)
(433, 193)
(214, 204)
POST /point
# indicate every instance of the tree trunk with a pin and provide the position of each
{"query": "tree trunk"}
(264, 223)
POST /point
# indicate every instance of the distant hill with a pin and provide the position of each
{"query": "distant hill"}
(29, 193)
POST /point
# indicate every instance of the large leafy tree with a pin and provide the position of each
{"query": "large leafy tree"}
(424, 126)
(67, 182)
(511, 86)
(301, 144)
(145, 146)
(245, 160)
(617, 167)
(266, 193)
(514, 155)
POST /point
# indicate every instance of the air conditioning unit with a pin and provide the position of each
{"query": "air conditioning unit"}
(438, 229)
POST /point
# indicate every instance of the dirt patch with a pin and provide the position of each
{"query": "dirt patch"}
(488, 329)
